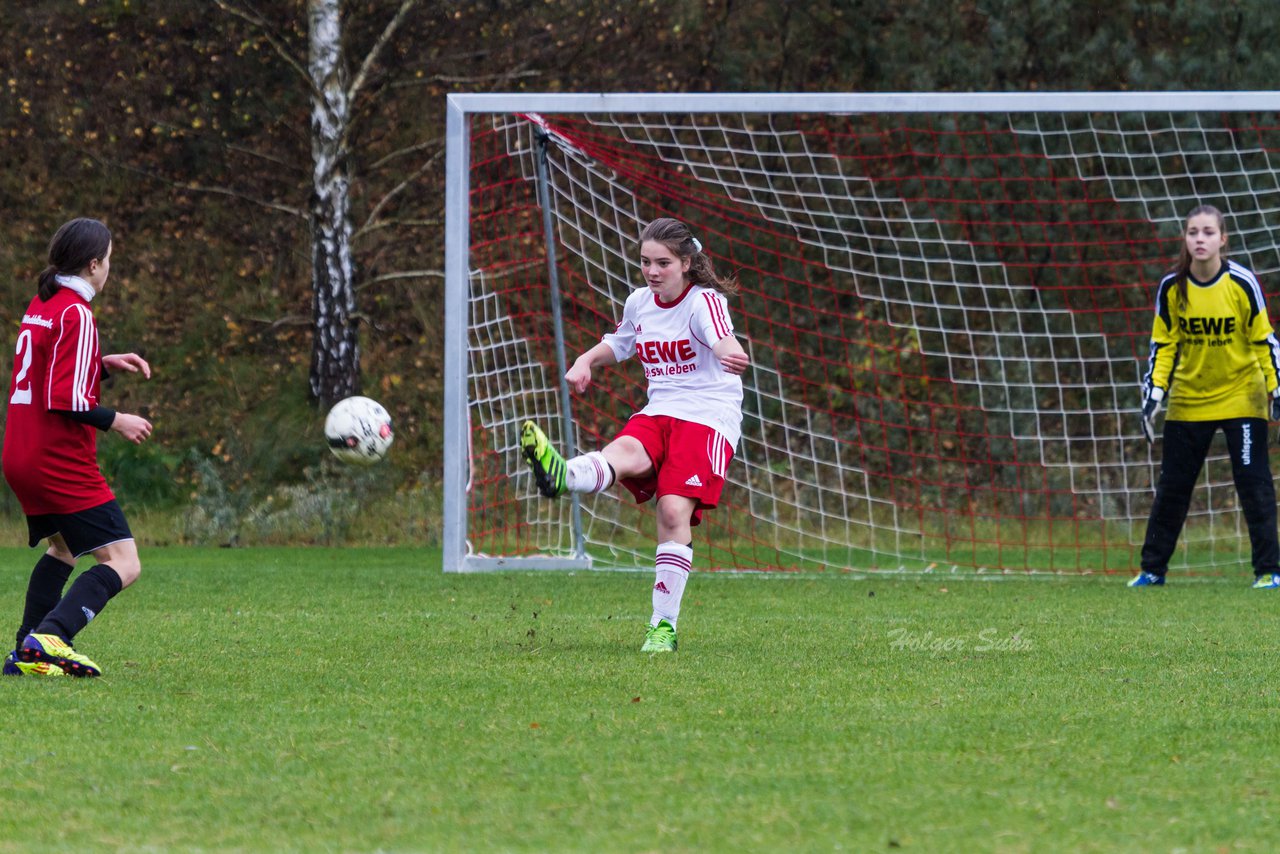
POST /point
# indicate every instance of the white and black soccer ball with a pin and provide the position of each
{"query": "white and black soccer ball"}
(358, 430)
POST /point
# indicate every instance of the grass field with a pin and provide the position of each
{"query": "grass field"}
(359, 700)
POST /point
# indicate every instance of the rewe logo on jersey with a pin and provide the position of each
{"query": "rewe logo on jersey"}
(651, 352)
(667, 358)
(1207, 325)
(693, 481)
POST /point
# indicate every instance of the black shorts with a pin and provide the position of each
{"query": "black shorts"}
(83, 532)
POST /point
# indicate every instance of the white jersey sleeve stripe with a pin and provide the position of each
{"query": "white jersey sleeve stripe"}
(82, 367)
(715, 306)
(1259, 300)
(84, 354)
(77, 377)
(53, 361)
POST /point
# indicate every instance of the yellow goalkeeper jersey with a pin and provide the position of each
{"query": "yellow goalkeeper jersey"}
(1216, 356)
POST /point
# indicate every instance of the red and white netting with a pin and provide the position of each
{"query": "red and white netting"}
(948, 317)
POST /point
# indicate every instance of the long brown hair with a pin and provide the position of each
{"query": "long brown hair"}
(73, 246)
(1182, 269)
(676, 236)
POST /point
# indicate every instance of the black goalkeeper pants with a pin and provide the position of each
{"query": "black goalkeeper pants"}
(1186, 444)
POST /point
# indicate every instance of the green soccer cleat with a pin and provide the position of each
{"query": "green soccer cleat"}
(51, 649)
(545, 461)
(660, 638)
(1267, 581)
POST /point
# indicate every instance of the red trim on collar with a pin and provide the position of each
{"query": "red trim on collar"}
(658, 300)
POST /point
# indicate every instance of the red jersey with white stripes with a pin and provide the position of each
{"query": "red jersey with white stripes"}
(674, 342)
(50, 460)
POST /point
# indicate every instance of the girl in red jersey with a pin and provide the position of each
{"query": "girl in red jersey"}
(679, 446)
(50, 454)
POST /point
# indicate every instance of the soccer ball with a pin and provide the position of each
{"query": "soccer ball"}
(358, 430)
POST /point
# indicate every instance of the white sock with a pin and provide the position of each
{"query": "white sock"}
(588, 473)
(672, 566)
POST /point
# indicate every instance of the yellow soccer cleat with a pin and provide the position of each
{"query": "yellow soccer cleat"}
(51, 649)
(14, 667)
(548, 466)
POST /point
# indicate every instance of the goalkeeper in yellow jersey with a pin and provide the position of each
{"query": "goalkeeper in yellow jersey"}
(1215, 361)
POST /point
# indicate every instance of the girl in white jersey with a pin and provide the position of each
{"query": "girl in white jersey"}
(678, 447)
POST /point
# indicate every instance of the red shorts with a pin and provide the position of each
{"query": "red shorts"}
(688, 458)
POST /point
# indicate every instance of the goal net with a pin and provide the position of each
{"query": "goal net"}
(947, 303)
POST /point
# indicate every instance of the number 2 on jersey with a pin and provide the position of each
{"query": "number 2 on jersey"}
(21, 394)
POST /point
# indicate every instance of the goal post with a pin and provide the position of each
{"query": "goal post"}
(947, 300)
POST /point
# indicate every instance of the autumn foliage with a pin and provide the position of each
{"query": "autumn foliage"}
(184, 125)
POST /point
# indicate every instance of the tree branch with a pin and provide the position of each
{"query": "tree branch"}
(229, 146)
(287, 320)
(393, 192)
(280, 47)
(401, 223)
(357, 83)
(195, 188)
(502, 77)
(405, 152)
(406, 274)
(236, 194)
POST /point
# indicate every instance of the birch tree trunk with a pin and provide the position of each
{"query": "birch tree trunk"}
(335, 351)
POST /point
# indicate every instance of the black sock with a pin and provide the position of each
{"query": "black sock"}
(43, 592)
(88, 595)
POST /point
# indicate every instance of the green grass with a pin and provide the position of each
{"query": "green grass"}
(359, 700)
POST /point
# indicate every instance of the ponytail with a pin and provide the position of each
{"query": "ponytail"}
(701, 272)
(48, 283)
(676, 236)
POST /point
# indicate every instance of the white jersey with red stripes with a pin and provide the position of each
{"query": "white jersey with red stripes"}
(674, 342)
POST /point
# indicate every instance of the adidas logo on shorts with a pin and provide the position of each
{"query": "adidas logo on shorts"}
(693, 481)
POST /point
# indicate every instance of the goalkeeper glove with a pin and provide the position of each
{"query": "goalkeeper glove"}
(1275, 404)
(1150, 406)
